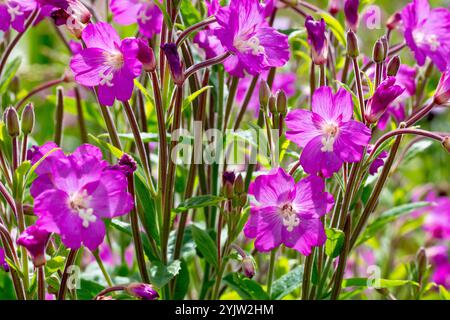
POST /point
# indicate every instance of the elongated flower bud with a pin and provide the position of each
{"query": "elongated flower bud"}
(142, 291)
(352, 45)
(27, 119)
(239, 186)
(446, 143)
(385, 94)
(264, 93)
(378, 54)
(248, 266)
(393, 66)
(273, 105)
(317, 40)
(12, 122)
(422, 263)
(3, 264)
(442, 95)
(176, 67)
(281, 102)
(146, 56)
(351, 13)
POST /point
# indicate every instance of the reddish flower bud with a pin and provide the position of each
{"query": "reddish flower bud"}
(442, 95)
(35, 240)
(146, 56)
(143, 291)
(176, 67)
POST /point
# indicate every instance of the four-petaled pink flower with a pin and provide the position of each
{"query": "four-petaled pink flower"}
(285, 212)
(13, 13)
(108, 62)
(74, 193)
(427, 32)
(328, 134)
(145, 13)
(244, 31)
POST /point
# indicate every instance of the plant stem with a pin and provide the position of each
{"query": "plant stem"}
(205, 64)
(247, 99)
(183, 35)
(323, 76)
(110, 126)
(24, 148)
(230, 100)
(109, 290)
(419, 114)
(342, 259)
(307, 274)
(38, 89)
(41, 283)
(102, 268)
(65, 276)
(138, 247)
(359, 88)
(273, 255)
(80, 116)
(59, 116)
(169, 192)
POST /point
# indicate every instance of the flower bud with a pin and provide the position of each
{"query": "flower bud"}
(273, 105)
(393, 66)
(378, 54)
(317, 40)
(281, 102)
(242, 201)
(264, 93)
(352, 45)
(351, 13)
(127, 165)
(12, 122)
(142, 291)
(384, 95)
(334, 7)
(146, 56)
(27, 119)
(228, 176)
(385, 42)
(239, 187)
(228, 190)
(248, 266)
(394, 21)
(14, 85)
(442, 95)
(421, 262)
(35, 239)
(446, 143)
(176, 67)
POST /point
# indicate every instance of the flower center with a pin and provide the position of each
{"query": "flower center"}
(421, 39)
(13, 10)
(114, 59)
(330, 131)
(79, 202)
(142, 16)
(243, 45)
(290, 218)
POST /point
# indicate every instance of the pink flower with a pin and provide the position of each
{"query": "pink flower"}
(14, 13)
(351, 13)
(285, 212)
(3, 263)
(35, 239)
(145, 13)
(255, 45)
(427, 32)
(108, 62)
(437, 221)
(378, 162)
(74, 193)
(328, 134)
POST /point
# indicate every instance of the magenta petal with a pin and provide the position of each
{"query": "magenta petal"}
(276, 46)
(343, 104)
(301, 127)
(100, 35)
(314, 161)
(94, 235)
(88, 66)
(310, 233)
(310, 199)
(270, 227)
(268, 189)
(322, 102)
(125, 12)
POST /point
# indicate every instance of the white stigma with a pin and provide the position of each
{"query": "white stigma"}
(252, 43)
(290, 218)
(143, 17)
(330, 131)
(13, 11)
(431, 40)
(79, 202)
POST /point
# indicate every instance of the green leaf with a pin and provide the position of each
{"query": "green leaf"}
(287, 283)
(161, 274)
(191, 98)
(335, 27)
(9, 73)
(247, 289)
(106, 147)
(443, 293)
(387, 217)
(55, 264)
(206, 245)
(334, 243)
(121, 226)
(149, 216)
(383, 283)
(189, 12)
(199, 202)
(182, 284)
(88, 289)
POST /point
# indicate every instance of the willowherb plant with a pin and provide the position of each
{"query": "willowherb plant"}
(223, 149)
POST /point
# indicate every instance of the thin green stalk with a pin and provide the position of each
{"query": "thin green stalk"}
(59, 116)
(230, 100)
(247, 99)
(102, 268)
(307, 274)
(270, 276)
(342, 259)
(65, 276)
